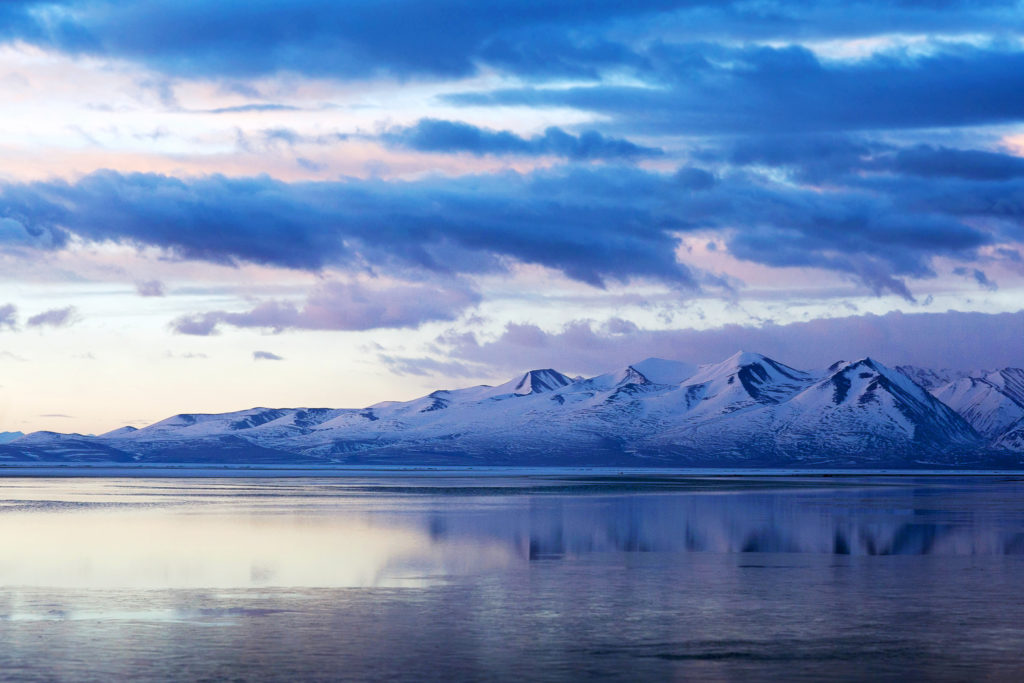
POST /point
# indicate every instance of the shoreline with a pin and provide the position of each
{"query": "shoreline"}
(185, 470)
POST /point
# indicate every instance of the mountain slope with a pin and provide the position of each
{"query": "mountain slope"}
(992, 402)
(860, 412)
(865, 406)
(983, 403)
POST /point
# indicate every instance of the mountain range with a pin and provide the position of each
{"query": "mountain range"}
(746, 411)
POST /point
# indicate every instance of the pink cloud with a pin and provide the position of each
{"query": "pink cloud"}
(344, 306)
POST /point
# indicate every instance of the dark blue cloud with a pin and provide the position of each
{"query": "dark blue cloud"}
(593, 223)
(928, 188)
(816, 158)
(574, 222)
(1000, 203)
(971, 164)
(811, 158)
(434, 135)
(858, 233)
(551, 51)
(711, 89)
(314, 37)
(693, 178)
(446, 38)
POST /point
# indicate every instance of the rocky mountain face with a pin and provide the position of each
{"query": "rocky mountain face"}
(746, 411)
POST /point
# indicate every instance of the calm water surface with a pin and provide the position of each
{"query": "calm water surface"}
(512, 577)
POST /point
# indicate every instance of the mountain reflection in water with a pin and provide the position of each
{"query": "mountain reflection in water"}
(393, 532)
(893, 519)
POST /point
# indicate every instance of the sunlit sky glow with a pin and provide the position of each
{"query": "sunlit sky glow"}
(213, 206)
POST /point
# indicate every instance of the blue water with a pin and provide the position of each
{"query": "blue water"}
(553, 576)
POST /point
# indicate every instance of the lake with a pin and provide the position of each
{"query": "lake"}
(553, 576)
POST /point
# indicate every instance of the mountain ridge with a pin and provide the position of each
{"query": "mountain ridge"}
(748, 410)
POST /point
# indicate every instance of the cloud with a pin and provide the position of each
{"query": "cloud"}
(575, 222)
(270, 138)
(816, 158)
(951, 339)
(451, 38)
(310, 165)
(594, 223)
(929, 161)
(55, 317)
(424, 366)
(15, 234)
(151, 288)
(978, 276)
(343, 306)
(434, 135)
(188, 355)
(8, 317)
(196, 325)
(265, 355)
(255, 107)
(312, 37)
(713, 89)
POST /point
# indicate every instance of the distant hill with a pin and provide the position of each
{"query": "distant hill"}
(7, 437)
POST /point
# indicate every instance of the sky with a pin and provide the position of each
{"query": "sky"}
(208, 207)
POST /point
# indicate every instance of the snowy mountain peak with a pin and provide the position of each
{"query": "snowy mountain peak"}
(746, 359)
(633, 376)
(742, 358)
(541, 381)
(179, 420)
(897, 405)
(662, 371)
(745, 377)
(650, 371)
(866, 362)
(891, 375)
(861, 379)
(532, 382)
(121, 431)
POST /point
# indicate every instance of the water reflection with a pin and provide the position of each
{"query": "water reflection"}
(350, 533)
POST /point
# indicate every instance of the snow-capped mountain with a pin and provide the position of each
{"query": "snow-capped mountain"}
(991, 401)
(855, 413)
(747, 410)
(988, 409)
